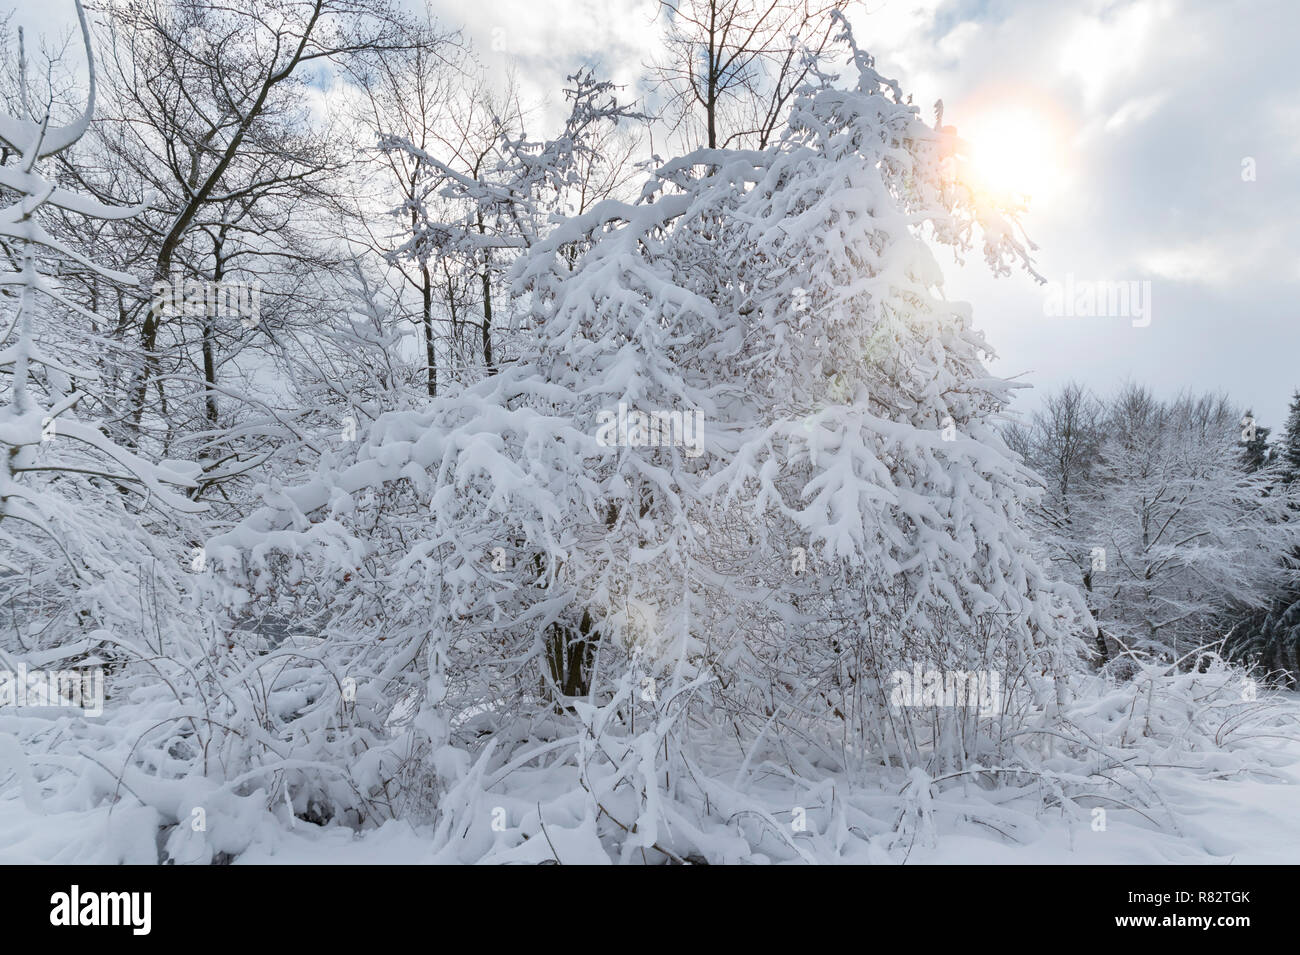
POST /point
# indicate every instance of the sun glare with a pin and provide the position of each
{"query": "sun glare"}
(1015, 148)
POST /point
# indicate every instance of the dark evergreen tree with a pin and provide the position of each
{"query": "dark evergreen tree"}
(1288, 451)
(1270, 638)
(1255, 452)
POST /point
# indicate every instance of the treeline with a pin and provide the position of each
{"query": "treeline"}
(1177, 518)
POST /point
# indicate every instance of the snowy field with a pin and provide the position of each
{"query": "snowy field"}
(1187, 801)
(1248, 818)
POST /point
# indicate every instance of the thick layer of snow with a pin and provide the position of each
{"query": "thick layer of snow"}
(1245, 817)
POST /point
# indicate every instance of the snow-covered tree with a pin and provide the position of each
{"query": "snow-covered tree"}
(501, 189)
(1288, 452)
(1183, 530)
(1061, 443)
(1269, 636)
(79, 515)
(1255, 451)
(865, 421)
(752, 361)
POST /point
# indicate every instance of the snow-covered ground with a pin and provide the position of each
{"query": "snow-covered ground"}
(1237, 807)
(1222, 821)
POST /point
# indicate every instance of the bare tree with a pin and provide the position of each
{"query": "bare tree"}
(732, 65)
(420, 98)
(219, 90)
(493, 190)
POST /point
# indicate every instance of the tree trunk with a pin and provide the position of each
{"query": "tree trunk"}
(429, 356)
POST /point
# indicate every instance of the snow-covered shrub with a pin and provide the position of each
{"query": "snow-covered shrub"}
(531, 567)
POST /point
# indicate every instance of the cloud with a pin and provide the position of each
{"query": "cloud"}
(1161, 102)
(1134, 111)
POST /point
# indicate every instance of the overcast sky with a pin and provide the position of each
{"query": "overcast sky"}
(1144, 113)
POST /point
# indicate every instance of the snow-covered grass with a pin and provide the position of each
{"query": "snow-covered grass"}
(1247, 818)
(1185, 769)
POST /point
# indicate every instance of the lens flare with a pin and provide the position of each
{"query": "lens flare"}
(1015, 149)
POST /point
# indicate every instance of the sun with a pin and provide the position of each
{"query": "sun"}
(1015, 149)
